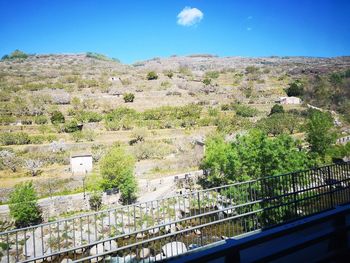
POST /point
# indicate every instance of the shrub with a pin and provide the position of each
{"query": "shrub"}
(14, 138)
(41, 119)
(128, 97)
(277, 108)
(9, 160)
(37, 139)
(207, 81)
(71, 126)
(17, 54)
(89, 135)
(117, 169)
(245, 111)
(33, 166)
(95, 200)
(169, 73)
(23, 205)
(152, 75)
(77, 136)
(212, 74)
(296, 88)
(57, 117)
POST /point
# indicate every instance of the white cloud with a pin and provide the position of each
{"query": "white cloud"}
(189, 16)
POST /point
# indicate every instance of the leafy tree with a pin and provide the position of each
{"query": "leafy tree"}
(295, 88)
(152, 75)
(17, 54)
(277, 108)
(279, 123)
(251, 156)
(57, 117)
(319, 132)
(128, 97)
(23, 205)
(71, 126)
(117, 169)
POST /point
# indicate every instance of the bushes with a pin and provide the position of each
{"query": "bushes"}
(57, 117)
(41, 119)
(95, 200)
(17, 54)
(207, 81)
(14, 138)
(117, 169)
(169, 73)
(128, 97)
(296, 88)
(277, 108)
(245, 111)
(212, 74)
(23, 205)
(152, 75)
(72, 126)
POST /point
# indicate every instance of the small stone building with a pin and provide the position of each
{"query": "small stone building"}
(81, 163)
(289, 100)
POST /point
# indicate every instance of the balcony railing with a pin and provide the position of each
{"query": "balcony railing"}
(159, 229)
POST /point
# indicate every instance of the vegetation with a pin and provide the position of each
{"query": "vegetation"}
(152, 75)
(23, 205)
(117, 170)
(95, 200)
(245, 111)
(251, 156)
(320, 133)
(17, 54)
(277, 108)
(296, 89)
(57, 117)
(128, 97)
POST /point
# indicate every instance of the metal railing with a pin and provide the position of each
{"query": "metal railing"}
(155, 230)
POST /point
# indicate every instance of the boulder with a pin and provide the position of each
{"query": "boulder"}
(66, 260)
(174, 249)
(144, 253)
(95, 250)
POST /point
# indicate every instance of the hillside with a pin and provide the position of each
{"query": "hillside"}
(197, 94)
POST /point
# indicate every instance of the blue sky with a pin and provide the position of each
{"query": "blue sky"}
(136, 30)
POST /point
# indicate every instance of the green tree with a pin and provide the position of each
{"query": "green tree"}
(251, 156)
(277, 108)
(319, 132)
(57, 117)
(117, 169)
(152, 75)
(295, 88)
(23, 205)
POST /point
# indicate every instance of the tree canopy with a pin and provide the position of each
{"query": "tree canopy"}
(251, 156)
(117, 169)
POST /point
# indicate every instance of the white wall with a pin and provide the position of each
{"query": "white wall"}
(81, 164)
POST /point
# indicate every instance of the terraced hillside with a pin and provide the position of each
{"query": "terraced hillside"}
(175, 102)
